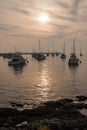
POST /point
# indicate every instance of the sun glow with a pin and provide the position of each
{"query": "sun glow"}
(44, 18)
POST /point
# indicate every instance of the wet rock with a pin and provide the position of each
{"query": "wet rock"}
(54, 115)
(76, 129)
(69, 110)
(60, 125)
(25, 123)
(4, 128)
(56, 104)
(2, 121)
(11, 128)
(7, 112)
(16, 104)
(43, 128)
(81, 98)
(80, 105)
(6, 125)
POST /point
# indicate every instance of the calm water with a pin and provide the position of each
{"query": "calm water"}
(42, 81)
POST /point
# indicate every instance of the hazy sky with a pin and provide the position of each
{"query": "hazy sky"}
(19, 24)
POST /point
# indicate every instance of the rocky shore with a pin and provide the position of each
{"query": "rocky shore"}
(64, 114)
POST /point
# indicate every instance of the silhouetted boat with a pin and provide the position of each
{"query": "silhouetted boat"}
(63, 55)
(81, 54)
(52, 54)
(8, 55)
(48, 50)
(57, 54)
(73, 60)
(40, 56)
(53, 49)
(47, 54)
(17, 60)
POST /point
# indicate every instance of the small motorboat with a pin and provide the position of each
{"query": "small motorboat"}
(18, 59)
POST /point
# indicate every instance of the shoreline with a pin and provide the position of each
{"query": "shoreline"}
(63, 114)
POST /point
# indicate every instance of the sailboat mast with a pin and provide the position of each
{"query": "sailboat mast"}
(64, 46)
(53, 46)
(39, 46)
(74, 45)
(80, 48)
(48, 47)
(15, 49)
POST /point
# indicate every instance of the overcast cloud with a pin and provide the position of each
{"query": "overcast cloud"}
(19, 18)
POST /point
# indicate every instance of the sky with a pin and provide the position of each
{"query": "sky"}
(20, 25)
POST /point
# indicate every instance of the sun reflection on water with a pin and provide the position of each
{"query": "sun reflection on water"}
(44, 83)
(44, 78)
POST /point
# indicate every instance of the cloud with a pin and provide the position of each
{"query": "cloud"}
(75, 6)
(19, 10)
(65, 17)
(60, 15)
(7, 27)
(63, 4)
(59, 26)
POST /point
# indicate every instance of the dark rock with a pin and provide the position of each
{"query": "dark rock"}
(15, 104)
(80, 105)
(69, 110)
(6, 112)
(4, 128)
(56, 104)
(81, 98)
(2, 120)
(56, 115)
(60, 125)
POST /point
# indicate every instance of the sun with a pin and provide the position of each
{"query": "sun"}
(43, 18)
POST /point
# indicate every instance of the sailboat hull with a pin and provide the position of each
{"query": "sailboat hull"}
(74, 61)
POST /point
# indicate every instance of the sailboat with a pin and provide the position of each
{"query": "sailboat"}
(33, 52)
(73, 60)
(63, 55)
(80, 50)
(40, 56)
(48, 50)
(53, 49)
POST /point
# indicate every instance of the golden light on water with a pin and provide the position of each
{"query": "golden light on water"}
(43, 18)
(44, 78)
(43, 84)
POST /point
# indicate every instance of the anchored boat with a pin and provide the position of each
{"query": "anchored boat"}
(73, 60)
(18, 59)
(63, 55)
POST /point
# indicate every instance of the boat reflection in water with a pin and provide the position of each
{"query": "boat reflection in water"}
(17, 69)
